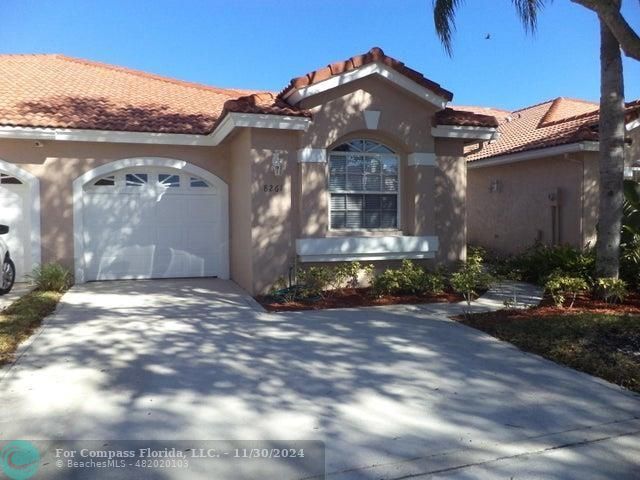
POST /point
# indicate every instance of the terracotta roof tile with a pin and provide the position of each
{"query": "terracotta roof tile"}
(62, 92)
(450, 116)
(374, 55)
(554, 122)
(562, 108)
(265, 103)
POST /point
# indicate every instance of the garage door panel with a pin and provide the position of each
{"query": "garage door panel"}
(154, 232)
(14, 212)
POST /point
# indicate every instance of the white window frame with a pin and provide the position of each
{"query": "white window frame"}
(153, 183)
(398, 192)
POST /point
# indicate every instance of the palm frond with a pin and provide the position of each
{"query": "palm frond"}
(444, 17)
(528, 12)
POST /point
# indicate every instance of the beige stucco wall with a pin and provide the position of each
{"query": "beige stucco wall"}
(450, 201)
(273, 227)
(240, 207)
(58, 164)
(519, 214)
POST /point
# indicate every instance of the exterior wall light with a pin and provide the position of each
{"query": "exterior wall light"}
(277, 163)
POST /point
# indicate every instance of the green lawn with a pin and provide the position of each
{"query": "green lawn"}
(21, 318)
(604, 345)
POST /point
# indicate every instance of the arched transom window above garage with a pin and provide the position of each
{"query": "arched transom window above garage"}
(364, 186)
(143, 179)
(6, 179)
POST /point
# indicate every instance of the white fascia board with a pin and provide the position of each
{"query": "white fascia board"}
(376, 68)
(633, 124)
(533, 154)
(458, 131)
(422, 159)
(338, 249)
(231, 121)
(78, 135)
(312, 155)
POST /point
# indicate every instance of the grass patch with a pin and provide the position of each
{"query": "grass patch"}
(604, 345)
(21, 318)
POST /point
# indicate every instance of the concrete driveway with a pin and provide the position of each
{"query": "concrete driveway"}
(394, 392)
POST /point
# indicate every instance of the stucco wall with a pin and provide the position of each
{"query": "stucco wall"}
(58, 164)
(273, 220)
(338, 112)
(450, 201)
(240, 209)
(518, 212)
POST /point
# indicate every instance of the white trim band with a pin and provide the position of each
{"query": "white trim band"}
(422, 159)
(533, 154)
(458, 131)
(341, 249)
(297, 95)
(312, 155)
(230, 121)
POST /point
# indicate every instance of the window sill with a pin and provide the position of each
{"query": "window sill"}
(351, 247)
(345, 232)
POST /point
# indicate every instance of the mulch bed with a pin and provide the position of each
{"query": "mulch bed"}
(589, 304)
(354, 297)
(593, 337)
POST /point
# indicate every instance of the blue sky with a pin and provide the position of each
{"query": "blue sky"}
(261, 44)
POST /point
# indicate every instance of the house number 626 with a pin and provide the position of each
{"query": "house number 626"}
(272, 188)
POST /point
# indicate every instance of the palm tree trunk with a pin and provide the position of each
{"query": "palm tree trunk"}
(611, 155)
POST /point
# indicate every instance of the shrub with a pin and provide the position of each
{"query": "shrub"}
(314, 280)
(561, 286)
(470, 278)
(539, 262)
(410, 278)
(433, 282)
(348, 274)
(611, 290)
(386, 283)
(630, 261)
(51, 277)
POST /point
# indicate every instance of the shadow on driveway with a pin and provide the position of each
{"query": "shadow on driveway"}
(399, 388)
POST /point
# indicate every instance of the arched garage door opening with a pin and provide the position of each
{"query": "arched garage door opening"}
(20, 210)
(150, 218)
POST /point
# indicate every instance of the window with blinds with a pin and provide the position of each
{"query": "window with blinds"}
(363, 184)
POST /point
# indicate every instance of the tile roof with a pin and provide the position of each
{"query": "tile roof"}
(555, 122)
(62, 92)
(372, 56)
(450, 116)
(266, 103)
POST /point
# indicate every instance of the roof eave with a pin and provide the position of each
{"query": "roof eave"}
(295, 95)
(228, 123)
(465, 132)
(585, 146)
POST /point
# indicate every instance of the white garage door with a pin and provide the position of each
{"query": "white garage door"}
(15, 212)
(153, 223)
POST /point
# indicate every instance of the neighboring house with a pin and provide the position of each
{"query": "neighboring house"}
(538, 182)
(122, 174)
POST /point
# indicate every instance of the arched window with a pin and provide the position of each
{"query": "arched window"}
(363, 184)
